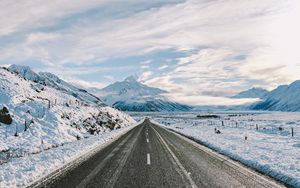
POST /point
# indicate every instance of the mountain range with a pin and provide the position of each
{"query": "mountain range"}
(283, 98)
(132, 95)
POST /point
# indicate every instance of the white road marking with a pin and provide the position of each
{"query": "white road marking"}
(148, 159)
(117, 172)
(97, 169)
(147, 140)
(185, 172)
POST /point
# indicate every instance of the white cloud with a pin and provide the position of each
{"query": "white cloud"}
(163, 67)
(209, 70)
(147, 62)
(228, 45)
(85, 84)
(42, 37)
(145, 67)
(18, 16)
(145, 75)
(208, 100)
(109, 77)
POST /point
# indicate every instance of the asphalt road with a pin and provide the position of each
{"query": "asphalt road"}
(150, 156)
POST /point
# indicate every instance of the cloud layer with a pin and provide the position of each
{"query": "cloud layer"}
(198, 50)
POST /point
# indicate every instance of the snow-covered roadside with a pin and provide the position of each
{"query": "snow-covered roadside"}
(21, 172)
(269, 149)
(46, 122)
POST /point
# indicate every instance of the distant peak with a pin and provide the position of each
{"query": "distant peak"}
(297, 82)
(255, 92)
(132, 78)
(258, 88)
(49, 75)
(24, 71)
(22, 68)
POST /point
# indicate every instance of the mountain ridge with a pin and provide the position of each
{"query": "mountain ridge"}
(254, 92)
(44, 108)
(51, 80)
(282, 98)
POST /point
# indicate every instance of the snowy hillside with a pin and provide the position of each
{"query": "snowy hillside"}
(47, 112)
(283, 98)
(131, 95)
(47, 79)
(252, 93)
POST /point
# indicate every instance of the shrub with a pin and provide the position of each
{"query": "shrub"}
(207, 116)
(5, 116)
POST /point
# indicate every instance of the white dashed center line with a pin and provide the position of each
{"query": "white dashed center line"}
(147, 140)
(148, 159)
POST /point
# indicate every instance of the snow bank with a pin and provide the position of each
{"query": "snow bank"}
(21, 172)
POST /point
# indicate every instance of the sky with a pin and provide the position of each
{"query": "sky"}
(201, 51)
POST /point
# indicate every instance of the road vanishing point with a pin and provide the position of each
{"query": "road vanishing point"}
(151, 156)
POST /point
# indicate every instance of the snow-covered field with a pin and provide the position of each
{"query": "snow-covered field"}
(262, 140)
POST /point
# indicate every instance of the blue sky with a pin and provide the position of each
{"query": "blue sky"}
(201, 51)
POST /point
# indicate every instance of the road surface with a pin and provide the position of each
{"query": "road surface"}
(151, 156)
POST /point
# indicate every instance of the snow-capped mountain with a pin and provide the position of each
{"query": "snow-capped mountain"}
(48, 79)
(129, 89)
(131, 95)
(48, 112)
(252, 93)
(283, 98)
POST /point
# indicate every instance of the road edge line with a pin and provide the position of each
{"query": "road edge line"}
(76, 161)
(236, 165)
(191, 181)
(122, 163)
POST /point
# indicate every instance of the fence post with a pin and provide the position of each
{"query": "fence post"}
(256, 127)
(25, 126)
(292, 132)
(42, 145)
(16, 133)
